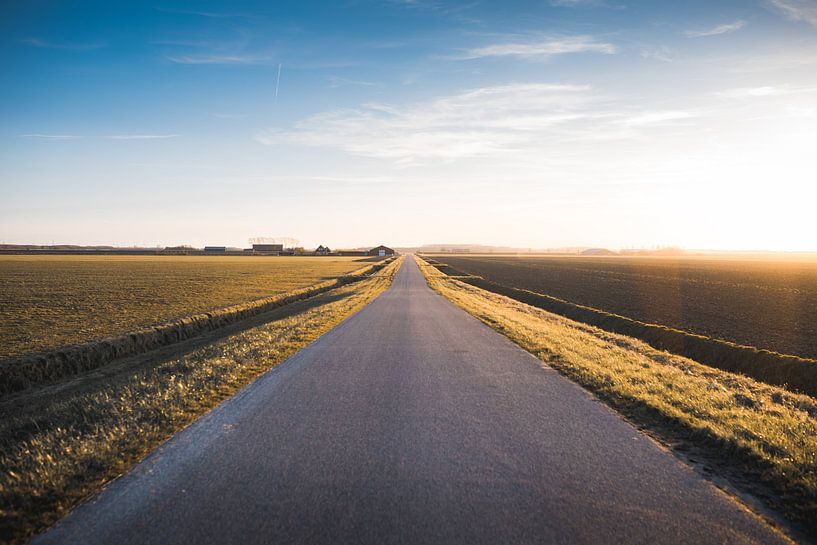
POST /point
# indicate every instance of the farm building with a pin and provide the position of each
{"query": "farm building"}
(178, 250)
(381, 251)
(322, 250)
(267, 248)
(215, 249)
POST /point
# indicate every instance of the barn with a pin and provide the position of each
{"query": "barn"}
(267, 248)
(381, 251)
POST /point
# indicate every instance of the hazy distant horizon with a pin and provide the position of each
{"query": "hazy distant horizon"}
(535, 124)
(451, 247)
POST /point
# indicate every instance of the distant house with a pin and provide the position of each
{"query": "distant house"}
(322, 250)
(215, 249)
(381, 251)
(267, 248)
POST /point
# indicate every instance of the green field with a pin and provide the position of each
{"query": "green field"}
(49, 301)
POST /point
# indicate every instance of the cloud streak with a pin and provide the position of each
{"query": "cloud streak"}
(541, 49)
(796, 10)
(49, 136)
(579, 3)
(766, 91)
(659, 53)
(37, 42)
(206, 14)
(219, 59)
(108, 137)
(656, 118)
(720, 29)
(141, 136)
(335, 82)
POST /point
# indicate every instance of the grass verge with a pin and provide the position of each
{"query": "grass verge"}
(762, 439)
(60, 443)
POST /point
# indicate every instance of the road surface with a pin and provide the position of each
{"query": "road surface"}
(411, 422)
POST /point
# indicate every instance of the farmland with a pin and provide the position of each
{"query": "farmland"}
(49, 301)
(755, 302)
(59, 443)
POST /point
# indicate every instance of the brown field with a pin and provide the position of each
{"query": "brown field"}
(764, 303)
(49, 301)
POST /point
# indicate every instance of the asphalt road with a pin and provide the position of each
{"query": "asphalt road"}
(411, 423)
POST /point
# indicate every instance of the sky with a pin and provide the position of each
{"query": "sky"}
(540, 124)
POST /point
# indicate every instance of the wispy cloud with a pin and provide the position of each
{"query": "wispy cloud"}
(541, 49)
(714, 31)
(207, 14)
(581, 3)
(335, 82)
(660, 53)
(181, 42)
(661, 117)
(219, 59)
(37, 42)
(109, 137)
(454, 10)
(523, 118)
(422, 4)
(49, 136)
(751, 92)
(767, 91)
(796, 10)
(478, 122)
(141, 136)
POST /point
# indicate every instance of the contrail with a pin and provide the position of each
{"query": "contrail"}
(277, 83)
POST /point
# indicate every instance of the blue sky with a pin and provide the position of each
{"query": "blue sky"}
(532, 124)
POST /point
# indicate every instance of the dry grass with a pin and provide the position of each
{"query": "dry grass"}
(61, 443)
(49, 301)
(762, 438)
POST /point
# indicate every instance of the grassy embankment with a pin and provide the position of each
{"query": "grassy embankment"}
(61, 442)
(761, 438)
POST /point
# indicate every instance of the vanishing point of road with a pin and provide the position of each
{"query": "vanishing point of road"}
(411, 422)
